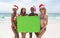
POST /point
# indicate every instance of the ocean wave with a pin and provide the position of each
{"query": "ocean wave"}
(54, 18)
(58, 18)
(9, 18)
(5, 18)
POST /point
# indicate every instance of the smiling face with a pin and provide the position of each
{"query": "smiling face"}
(32, 10)
(23, 10)
(43, 11)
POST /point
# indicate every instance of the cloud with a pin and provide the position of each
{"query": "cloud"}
(5, 7)
(53, 9)
(51, 6)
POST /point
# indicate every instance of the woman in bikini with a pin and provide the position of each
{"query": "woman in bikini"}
(33, 14)
(23, 13)
(44, 19)
(14, 22)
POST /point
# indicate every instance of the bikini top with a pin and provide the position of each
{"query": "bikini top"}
(42, 17)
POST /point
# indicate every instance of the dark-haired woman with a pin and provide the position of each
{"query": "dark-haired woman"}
(33, 14)
(23, 13)
(14, 23)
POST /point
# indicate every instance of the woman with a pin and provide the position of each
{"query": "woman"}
(14, 23)
(33, 14)
(44, 20)
(23, 13)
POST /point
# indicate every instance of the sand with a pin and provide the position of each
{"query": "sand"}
(53, 30)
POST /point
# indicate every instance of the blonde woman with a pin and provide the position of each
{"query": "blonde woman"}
(44, 19)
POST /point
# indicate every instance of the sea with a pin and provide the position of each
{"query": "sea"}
(7, 16)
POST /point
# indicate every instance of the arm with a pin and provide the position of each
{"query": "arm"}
(45, 22)
(13, 25)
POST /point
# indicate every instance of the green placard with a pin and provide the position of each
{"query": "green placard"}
(28, 23)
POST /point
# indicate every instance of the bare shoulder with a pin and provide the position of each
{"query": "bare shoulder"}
(18, 14)
(36, 14)
(46, 16)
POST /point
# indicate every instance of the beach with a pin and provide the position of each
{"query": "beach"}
(53, 29)
(13, 8)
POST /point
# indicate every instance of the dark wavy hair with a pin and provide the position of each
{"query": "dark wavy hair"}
(22, 11)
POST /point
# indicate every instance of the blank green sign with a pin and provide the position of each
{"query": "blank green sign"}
(28, 23)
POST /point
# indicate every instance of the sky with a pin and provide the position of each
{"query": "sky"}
(52, 6)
